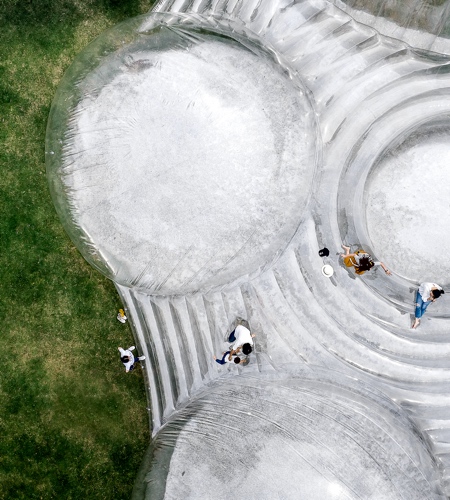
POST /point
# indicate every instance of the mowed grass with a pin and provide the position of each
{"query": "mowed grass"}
(72, 423)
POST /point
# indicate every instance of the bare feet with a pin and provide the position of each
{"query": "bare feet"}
(347, 249)
(214, 357)
(416, 323)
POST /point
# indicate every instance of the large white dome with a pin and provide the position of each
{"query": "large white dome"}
(187, 156)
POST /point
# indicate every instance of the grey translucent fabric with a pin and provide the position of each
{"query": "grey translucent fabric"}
(312, 435)
(429, 16)
(168, 176)
(424, 24)
(201, 156)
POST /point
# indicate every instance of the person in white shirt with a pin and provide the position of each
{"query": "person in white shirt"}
(227, 357)
(427, 293)
(242, 340)
(128, 359)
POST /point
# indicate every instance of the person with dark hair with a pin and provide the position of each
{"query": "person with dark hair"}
(361, 261)
(426, 294)
(227, 357)
(242, 340)
(246, 348)
(128, 359)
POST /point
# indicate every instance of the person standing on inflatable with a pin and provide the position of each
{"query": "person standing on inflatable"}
(426, 294)
(242, 340)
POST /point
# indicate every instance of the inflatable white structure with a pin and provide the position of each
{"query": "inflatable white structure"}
(200, 156)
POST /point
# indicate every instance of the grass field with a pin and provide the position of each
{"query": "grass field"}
(72, 423)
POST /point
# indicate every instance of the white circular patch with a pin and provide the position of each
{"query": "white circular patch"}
(189, 166)
(408, 208)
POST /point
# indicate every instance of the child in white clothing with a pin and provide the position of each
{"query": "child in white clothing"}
(128, 359)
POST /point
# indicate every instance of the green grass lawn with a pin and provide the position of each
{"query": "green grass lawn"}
(72, 423)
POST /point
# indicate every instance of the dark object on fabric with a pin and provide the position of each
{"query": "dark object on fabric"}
(246, 349)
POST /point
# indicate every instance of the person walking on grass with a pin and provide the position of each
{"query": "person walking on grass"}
(129, 359)
(242, 340)
(426, 294)
(361, 261)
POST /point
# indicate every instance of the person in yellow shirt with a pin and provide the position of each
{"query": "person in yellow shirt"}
(361, 261)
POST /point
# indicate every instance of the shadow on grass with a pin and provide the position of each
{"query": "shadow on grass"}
(51, 13)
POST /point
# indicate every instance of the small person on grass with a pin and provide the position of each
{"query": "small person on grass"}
(121, 316)
(128, 359)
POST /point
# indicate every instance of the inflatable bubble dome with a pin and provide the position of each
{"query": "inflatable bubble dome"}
(180, 154)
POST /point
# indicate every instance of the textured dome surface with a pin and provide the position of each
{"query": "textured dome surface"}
(318, 436)
(187, 160)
